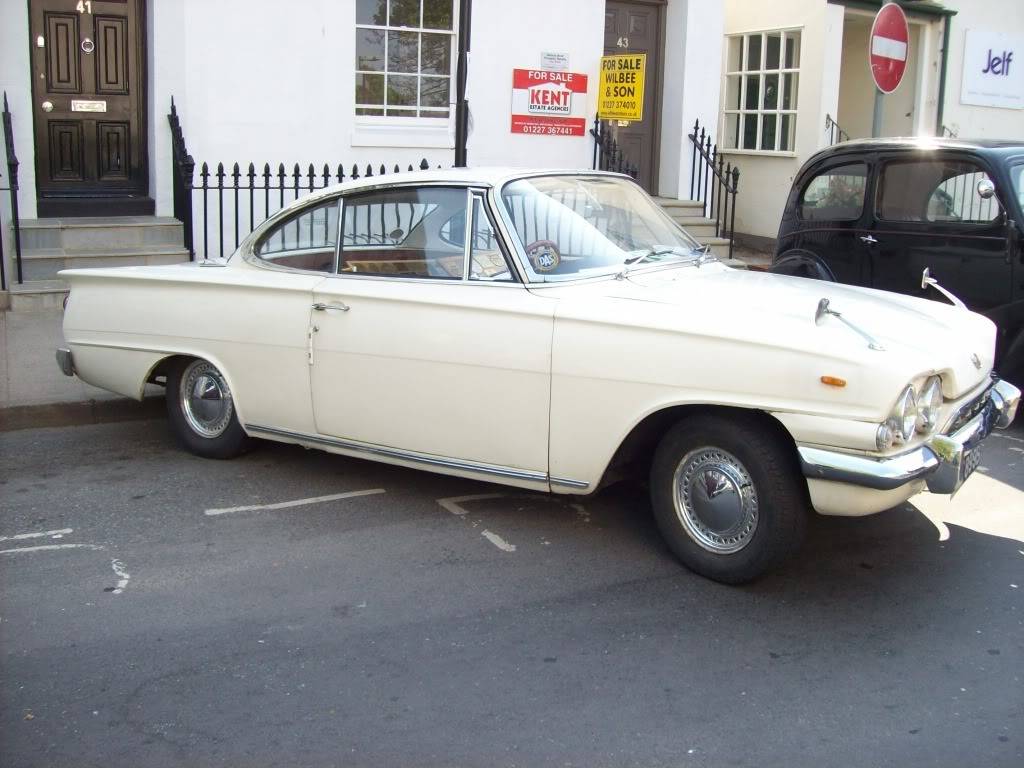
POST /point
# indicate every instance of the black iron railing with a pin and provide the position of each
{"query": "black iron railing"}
(12, 188)
(219, 205)
(608, 155)
(835, 133)
(713, 182)
(948, 133)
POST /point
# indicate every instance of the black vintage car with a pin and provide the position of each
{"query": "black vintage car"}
(880, 212)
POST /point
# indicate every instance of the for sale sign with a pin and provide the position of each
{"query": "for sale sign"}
(549, 103)
(622, 87)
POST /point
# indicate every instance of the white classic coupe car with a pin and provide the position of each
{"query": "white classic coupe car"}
(553, 331)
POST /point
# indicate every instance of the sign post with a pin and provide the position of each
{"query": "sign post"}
(889, 44)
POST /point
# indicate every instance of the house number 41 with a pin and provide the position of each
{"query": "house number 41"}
(84, 7)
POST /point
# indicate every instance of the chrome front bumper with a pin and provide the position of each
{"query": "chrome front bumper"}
(945, 461)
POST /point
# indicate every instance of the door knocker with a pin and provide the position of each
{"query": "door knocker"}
(88, 46)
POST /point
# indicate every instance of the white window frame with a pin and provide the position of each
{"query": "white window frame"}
(415, 130)
(761, 72)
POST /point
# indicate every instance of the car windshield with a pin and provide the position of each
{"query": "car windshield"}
(585, 226)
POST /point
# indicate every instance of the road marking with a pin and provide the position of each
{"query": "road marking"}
(122, 572)
(49, 547)
(454, 503)
(295, 503)
(59, 533)
(499, 542)
(1001, 436)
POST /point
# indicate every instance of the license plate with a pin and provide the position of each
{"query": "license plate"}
(970, 463)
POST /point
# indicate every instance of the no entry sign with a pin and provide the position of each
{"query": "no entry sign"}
(890, 44)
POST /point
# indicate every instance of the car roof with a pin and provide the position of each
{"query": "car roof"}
(921, 144)
(483, 176)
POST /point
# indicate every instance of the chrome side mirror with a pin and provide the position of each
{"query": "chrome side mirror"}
(927, 279)
(986, 189)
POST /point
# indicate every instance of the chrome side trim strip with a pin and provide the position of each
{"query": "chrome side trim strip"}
(393, 453)
(567, 483)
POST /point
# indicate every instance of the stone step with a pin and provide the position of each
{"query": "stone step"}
(33, 295)
(45, 263)
(100, 233)
(671, 205)
(698, 226)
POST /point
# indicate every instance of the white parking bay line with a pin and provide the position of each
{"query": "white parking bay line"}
(48, 547)
(499, 542)
(123, 576)
(295, 503)
(59, 533)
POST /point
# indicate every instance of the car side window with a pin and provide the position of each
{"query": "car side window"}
(836, 194)
(402, 233)
(307, 240)
(936, 191)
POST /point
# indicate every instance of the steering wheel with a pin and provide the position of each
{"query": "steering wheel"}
(544, 255)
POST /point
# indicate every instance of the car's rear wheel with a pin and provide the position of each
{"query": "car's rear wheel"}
(201, 410)
(727, 497)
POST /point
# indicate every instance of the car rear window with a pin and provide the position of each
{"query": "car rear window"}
(936, 190)
(836, 194)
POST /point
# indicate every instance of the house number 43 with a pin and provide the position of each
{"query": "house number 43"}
(622, 42)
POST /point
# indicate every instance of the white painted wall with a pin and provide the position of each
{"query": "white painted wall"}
(693, 73)
(765, 178)
(506, 36)
(15, 80)
(971, 121)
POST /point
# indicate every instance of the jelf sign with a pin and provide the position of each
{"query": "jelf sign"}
(549, 103)
(622, 87)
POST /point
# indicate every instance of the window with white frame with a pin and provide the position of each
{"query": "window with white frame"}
(762, 80)
(404, 57)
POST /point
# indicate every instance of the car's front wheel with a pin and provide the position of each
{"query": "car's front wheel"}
(728, 496)
(201, 410)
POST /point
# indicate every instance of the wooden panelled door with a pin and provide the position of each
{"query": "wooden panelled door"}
(89, 105)
(634, 26)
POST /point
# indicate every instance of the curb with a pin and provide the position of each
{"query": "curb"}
(76, 414)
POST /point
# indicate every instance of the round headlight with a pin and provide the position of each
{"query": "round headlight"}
(929, 406)
(903, 419)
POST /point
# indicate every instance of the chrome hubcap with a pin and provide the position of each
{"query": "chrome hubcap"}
(715, 500)
(205, 399)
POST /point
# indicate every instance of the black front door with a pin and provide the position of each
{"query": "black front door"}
(88, 96)
(635, 27)
(928, 213)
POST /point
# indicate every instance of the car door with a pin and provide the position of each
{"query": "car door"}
(425, 341)
(929, 215)
(825, 218)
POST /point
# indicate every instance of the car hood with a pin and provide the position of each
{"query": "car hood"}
(919, 336)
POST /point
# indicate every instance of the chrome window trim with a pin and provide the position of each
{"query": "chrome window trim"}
(494, 470)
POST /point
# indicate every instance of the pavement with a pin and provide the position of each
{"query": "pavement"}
(35, 393)
(33, 390)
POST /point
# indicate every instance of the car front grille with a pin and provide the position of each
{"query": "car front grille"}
(967, 412)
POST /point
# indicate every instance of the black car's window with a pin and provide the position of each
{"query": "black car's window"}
(836, 194)
(405, 232)
(307, 240)
(935, 191)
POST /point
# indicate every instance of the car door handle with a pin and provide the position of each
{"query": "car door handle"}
(868, 239)
(338, 305)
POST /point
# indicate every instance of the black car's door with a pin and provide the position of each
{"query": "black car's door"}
(825, 218)
(929, 214)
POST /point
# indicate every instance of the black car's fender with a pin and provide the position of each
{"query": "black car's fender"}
(801, 263)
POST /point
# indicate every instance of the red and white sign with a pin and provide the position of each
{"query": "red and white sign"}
(890, 45)
(549, 103)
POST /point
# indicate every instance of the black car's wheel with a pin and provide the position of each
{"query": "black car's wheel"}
(202, 411)
(728, 497)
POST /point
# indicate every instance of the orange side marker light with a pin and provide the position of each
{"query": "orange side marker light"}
(833, 381)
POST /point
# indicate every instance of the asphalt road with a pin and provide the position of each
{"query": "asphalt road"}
(390, 629)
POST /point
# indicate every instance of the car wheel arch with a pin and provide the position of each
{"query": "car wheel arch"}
(163, 366)
(636, 450)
